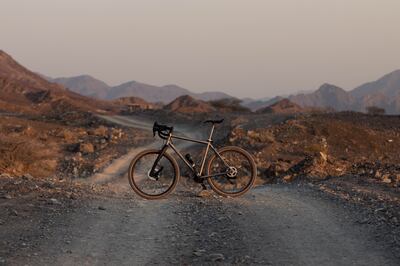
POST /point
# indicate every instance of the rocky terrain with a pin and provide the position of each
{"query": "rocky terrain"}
(348, 155)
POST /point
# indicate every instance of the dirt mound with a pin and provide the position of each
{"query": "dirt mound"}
(284, 106)
(187, 104)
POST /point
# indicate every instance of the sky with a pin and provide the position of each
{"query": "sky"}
(247, 48)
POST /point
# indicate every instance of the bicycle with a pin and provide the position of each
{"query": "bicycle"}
(153, 174)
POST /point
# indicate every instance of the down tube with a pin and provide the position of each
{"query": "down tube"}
(181, 156)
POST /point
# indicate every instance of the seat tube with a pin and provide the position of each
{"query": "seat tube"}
(211, 133)
(206, 151)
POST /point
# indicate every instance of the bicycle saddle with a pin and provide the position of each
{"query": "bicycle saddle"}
(214, 121)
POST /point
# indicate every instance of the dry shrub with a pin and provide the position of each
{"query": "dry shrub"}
(20, 155)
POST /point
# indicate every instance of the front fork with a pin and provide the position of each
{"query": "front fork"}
(154, 172)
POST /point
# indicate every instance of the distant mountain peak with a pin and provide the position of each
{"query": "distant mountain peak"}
(388, 85)
(327, 87)
(394, 72)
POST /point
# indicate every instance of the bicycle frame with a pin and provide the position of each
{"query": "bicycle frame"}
(208, 142)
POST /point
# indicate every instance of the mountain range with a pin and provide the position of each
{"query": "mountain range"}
(383, 93)
(22, 90)
(90, 86)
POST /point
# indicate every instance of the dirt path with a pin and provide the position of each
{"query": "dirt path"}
(276, 225)
(271, 225)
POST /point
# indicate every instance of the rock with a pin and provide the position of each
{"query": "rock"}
(212, 234)
(102, 208)
(324, 156)
(199, 252)
(204, 193)
(86, 148)
(100, 131)
(216, 257)
(287, 178)
(6, 196)
(75, 172)
(55, 201)
(27, 176)
(386, 179)
(48, 185)
(5, 176)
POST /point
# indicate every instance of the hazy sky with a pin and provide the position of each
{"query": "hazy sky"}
(252, 48)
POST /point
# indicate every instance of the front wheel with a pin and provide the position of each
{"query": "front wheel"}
(236, 171)
(153, 187)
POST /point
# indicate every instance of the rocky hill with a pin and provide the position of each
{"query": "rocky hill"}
(388, 85)
(327, 96)
(85, 85)
(187, 104)
(23, 91)
(284, 106)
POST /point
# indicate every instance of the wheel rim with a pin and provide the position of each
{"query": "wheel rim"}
(148, 185)
(239, 173)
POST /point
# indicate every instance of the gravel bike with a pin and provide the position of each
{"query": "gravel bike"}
(153, 174)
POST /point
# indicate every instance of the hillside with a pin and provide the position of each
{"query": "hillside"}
(23, 91)
(388, 85)
(84, 85)
(284, 106)
(327, 96)
(189, 105)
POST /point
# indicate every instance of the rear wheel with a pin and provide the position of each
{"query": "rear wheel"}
(150, 187)
(239, 170)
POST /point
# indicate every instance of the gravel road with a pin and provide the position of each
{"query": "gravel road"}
(274, 225)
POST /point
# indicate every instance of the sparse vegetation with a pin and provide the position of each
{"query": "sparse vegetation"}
(231, 105)
(374, 110)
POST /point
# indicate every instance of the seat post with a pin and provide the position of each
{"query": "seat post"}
(211, 133)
